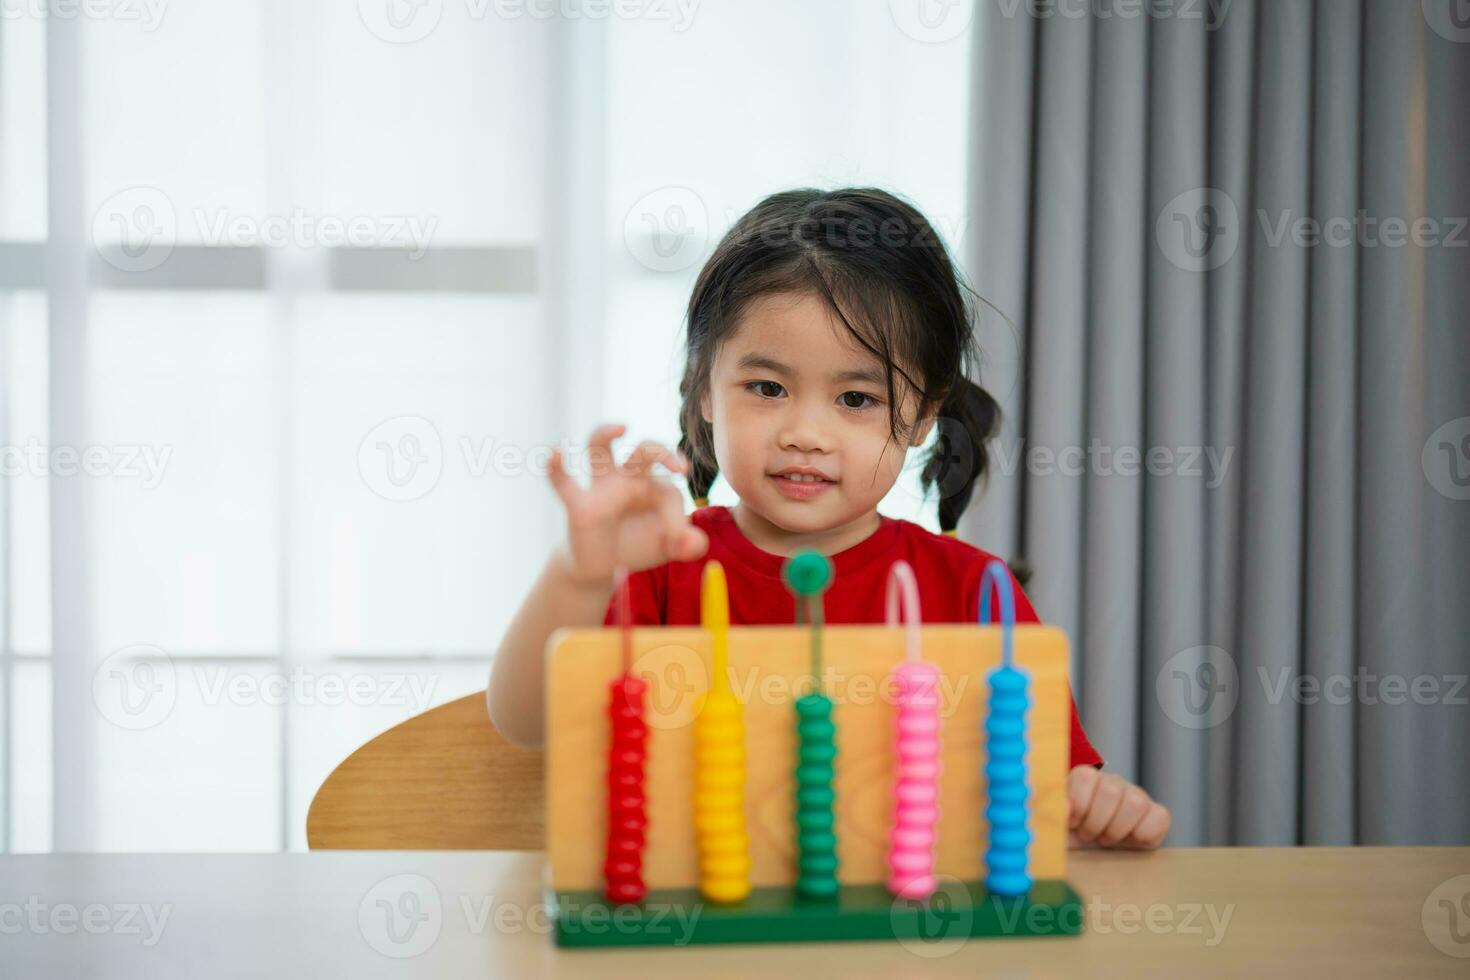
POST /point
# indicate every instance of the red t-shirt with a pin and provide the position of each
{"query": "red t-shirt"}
(947, 569)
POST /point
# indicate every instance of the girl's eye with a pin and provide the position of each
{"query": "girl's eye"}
(759, 388)
(863, 400)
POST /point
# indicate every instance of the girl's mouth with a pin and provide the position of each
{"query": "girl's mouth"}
(802, 489)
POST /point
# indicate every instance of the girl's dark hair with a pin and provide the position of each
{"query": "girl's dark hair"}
(883, 270)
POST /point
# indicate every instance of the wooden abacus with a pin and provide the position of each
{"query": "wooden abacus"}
(769, 783)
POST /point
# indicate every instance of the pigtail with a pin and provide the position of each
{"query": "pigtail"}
(968, 419)
(696, 439)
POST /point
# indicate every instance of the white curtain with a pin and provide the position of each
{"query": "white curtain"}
(293, 300)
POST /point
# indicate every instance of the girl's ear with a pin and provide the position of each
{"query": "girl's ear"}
(926, 422)
(704, 412)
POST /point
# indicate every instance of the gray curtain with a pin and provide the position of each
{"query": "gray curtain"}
(1270, 608)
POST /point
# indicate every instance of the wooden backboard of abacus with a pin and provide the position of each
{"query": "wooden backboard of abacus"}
(769, 667)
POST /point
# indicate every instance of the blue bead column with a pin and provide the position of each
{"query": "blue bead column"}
(1005, 774)
(1005, 750)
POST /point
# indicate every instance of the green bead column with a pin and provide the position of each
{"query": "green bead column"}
(807, 574)
(816, 824)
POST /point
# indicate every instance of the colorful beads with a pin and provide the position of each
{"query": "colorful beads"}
(1005, 749)
(719, 761)
(916, 790)
(915, 749)
(1005, 775)
(627, 808)
(626, 805)
(719, 800)
(807, 574)
(816, 824)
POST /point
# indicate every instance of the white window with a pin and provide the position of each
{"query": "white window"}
(293, 297)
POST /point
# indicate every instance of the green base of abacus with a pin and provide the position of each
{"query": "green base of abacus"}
(681, 916)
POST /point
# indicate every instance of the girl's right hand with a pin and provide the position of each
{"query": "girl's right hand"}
(629, 516)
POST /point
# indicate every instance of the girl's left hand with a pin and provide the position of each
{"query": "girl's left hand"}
(1106, 809)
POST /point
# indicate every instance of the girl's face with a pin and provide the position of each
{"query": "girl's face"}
(790, 388)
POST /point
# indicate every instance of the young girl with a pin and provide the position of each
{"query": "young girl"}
(827, 335)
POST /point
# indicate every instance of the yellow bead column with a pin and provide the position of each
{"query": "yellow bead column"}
(719, 760)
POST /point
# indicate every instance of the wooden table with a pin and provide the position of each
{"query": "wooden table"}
(1209, 912)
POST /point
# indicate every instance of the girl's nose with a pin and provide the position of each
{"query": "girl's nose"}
(803, 430)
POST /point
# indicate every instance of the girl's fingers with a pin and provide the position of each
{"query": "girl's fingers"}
(561, 481)
(1104, 806)
(640, 459)
(697, 543)
(599, 449)
(1081, 784)
(649, 453)
(678, 542)
(1153, 828)
(1131, 811)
